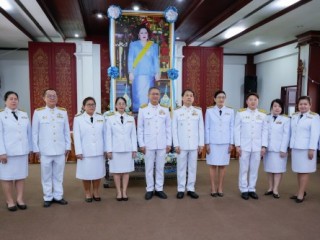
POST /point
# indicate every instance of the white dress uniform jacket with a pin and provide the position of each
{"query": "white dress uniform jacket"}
(278, 133)
(16, 137)
(251, 130)
(121, 137)
(305, 131)
(219, 128)
(188, 128)
(154, 127)
(89, 138)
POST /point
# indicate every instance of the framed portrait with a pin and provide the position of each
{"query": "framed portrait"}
(142, 48)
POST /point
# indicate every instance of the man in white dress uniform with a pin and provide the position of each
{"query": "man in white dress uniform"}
(251, 140)
(51, 143)
(188, 140)
(155, 140)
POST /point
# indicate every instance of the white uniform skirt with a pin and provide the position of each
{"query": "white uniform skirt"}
(16, 168)
(121, 162)
(91, 168)
(301, 163)
(273, 163)
(219, 155)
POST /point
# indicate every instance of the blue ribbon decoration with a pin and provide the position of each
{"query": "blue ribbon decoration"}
(113, 72)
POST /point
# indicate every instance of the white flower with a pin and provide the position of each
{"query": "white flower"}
(114, 12)
(171, 14)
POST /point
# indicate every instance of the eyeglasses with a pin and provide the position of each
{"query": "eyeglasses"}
(91, 105)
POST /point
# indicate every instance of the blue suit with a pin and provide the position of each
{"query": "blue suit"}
(144, 72)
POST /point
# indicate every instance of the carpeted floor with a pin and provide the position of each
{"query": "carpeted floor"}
(225, 218)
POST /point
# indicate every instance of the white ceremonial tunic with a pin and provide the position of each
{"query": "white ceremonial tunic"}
(188, 134)
(51, 138)
(219, 134)
(89, 140)
(305, 132)
(154, 133)
(16, 143)
(250, 133)
(278, 141)
(121, 142)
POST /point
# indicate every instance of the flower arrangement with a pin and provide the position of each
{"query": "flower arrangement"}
(171, 14)
(114, 12)
(113, 72)
(173, 73)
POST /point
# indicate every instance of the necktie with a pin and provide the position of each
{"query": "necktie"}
(274, 118)
(14, 114)
(301, 116)
(121, 117)
(220, 112)
(91, 119)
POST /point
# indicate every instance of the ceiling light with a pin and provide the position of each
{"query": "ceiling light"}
(257, 43)
(5, 5)
(285, 3)
(233, 31)
(136, 8)
(99, 15)
(76, 35)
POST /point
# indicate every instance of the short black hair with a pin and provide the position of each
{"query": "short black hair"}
(279, 102)
(84, 102)
(141, 26)
(305, 98)
(48, 89)
(150, 89)
(218, 92)
(7, 94)
(187, 90)
(119, 98)
(252, 94)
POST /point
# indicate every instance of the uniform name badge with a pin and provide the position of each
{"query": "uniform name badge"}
(227, 114)
(44, 117)
(309, 117)
(100, 121)
(194, 113)
(24, 117)
(279, 122)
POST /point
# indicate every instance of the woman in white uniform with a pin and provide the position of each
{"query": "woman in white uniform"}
(305, 128)
(90, 148)
(121, 146)
(15, 145)
(275, 160)
(219, 122)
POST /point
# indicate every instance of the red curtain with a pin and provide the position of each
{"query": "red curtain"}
(53, 65)
(202, 72)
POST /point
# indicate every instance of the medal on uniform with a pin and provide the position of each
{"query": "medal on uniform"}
(161, 112)
(194, 113)
(59, 115)
(44, 117)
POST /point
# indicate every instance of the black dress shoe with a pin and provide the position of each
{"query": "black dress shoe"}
(214, 194)
(298, 200)
(88, 200)
(220, 194)
(180, 195)
(119, 199)
(192, 194)
(161, 194)
(253, 195)
(276, 195)
(148, 195)
(22, 206)
(61, 201)
(47, 204)
(98, 199)
(125, 199)
(268, 193)
(245, 195)
(294, 197)
(12, 208)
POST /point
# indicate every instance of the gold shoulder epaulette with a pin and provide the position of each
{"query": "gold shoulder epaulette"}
(129, 113)
(110, 114)
(164, 106)
(242, 109)
(210, 107)
(269, 114)
(98, 113)
(285, 115)
(39, 109)
(1, 110)
(263, 111)
(144, 105)
(62, 109)
(313, 113)
(229, 107)
(21, 110)
(295, 113)
(79, 114)
(177, 108)
(197, 107)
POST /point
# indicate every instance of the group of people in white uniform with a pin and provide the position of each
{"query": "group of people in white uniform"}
(114, 136)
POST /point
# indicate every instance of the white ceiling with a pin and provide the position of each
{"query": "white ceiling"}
(276, 32)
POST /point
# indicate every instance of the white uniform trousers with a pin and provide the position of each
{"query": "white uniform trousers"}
(154, 156)
(52, 169)
(187, 161)
(249, 164)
